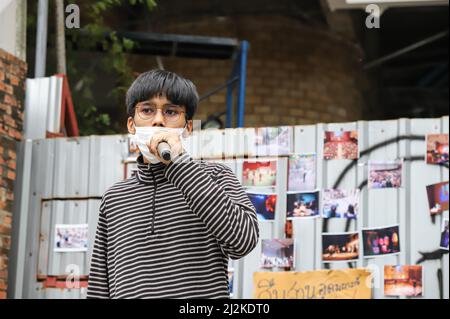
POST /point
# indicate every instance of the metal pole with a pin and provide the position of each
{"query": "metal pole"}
(21, 30)
(229, 121)
(219, 88)
(407, 49)
(230, 88)
(242, 83)
(18, 252)
(60, 38)
(41, 39)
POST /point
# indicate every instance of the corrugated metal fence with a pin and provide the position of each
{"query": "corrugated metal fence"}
(67, 177)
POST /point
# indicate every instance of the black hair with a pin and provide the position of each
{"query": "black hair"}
(176, 89)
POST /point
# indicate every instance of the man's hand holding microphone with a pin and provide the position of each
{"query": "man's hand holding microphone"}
(165, 146)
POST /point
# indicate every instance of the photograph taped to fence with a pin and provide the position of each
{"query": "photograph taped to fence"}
(341, 145)
(273, 141)
(264, 204)
(385, 174)
(340, 247)
(278, 253)
(71, 237)
(403, 281)
(437, 149)
(231, 272)
(259, 173)
(382, 241)
(338, 203)
(302, 172)
(438, 198)
(303, 205)
(444, 234)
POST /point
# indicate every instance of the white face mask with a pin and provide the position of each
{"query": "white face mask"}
(145, 133)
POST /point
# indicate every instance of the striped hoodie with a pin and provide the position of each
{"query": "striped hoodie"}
(169, 231)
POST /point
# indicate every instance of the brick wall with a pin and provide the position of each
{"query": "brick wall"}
(296, 74)
(12, 89)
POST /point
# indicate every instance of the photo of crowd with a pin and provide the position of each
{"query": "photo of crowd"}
(338, 203)
(259, 174)
(438, 198)
(385, 174)
(303, 205)
(381, 241)
(264, 205)
(444, 234)
(302, 172)
(273, 141)
(340, 247)
(71, 238)
(341, 145)
(437, 149)
(277, 253)
(403, 281)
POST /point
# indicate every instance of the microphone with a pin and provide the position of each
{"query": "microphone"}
(164, 151)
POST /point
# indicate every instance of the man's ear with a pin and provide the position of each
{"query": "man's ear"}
(131, 126)
(190, 126)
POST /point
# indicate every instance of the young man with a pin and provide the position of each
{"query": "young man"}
(169, 230)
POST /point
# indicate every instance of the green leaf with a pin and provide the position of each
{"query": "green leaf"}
(151, 4)
(128, 44)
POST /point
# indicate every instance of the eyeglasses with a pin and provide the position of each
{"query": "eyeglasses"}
(171, 113)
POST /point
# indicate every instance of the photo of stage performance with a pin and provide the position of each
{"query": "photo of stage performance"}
(264, 205)
(381, 241)
(302, 172)
(277, 253)
(403, 281)
(259, 174)
(303, 205)
(340, 247)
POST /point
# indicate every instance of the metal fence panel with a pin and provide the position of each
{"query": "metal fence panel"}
(41, 292)
(106, 167)
(72, 175)
(36, 104)
(72, 165)
(304, 230)
(381, 207)
(331, 171)
(41, 186)
(424, 234)
(43, 105)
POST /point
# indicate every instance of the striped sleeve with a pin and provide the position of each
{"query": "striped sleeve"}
(98, 274)
(220, 202)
